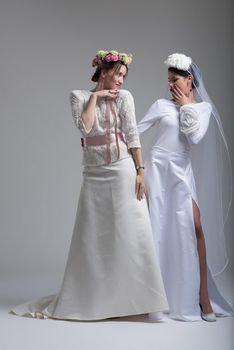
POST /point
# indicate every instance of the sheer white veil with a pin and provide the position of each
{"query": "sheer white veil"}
(213, 175)
(212, 169)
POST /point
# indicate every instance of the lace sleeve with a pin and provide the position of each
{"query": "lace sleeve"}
(77, 105)
(194, 120)
(128, 118)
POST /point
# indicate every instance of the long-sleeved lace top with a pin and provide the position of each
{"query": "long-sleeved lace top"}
(118, 117)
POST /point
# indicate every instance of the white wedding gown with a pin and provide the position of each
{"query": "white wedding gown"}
(170, 186)
(112, 268)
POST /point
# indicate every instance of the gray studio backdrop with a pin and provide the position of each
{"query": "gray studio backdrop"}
(46, 51)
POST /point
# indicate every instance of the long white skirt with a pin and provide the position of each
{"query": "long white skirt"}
(171, 187)
(112, 268)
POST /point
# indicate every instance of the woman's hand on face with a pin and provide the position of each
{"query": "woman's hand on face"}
(140, 186)
(179, 97)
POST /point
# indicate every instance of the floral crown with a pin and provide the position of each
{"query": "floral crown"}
(179, 61)
(111, 56)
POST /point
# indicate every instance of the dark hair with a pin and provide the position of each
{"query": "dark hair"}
(183, 73)
(108, 66)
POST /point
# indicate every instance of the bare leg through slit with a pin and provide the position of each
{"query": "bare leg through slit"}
(201, 248)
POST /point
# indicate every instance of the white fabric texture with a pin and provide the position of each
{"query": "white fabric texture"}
(171, 187)
(190, 121)
(125, 120)
(112, 268)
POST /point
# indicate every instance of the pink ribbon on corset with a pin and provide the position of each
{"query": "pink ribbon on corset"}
(109, 137)
(110, 108)
(107, 154)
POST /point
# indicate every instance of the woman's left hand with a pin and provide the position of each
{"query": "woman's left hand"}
(140, 186)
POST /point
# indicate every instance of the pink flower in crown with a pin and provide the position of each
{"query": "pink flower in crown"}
(108, 58)
(115, 57)
(111, 56)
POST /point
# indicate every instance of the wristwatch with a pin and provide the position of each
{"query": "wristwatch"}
(139, 167)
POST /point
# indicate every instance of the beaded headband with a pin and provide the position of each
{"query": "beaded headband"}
(111, 56)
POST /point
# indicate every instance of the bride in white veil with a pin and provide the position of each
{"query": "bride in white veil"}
(188, 172)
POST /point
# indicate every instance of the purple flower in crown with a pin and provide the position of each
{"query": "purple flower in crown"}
(99, 60)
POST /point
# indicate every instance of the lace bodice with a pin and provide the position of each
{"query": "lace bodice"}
(124, 121)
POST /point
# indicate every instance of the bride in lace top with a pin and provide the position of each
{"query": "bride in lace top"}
(112, 267)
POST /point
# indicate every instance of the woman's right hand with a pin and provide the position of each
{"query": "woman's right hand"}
(106, 93)
(180, 98)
